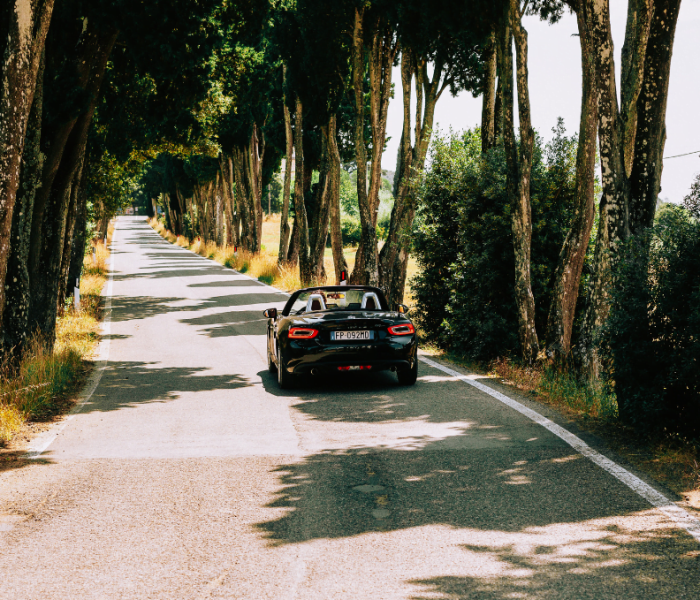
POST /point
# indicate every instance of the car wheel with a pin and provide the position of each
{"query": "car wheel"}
(271, 366)
(284, 378)
(408, 375)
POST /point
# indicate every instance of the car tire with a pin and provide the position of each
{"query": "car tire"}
(408, 375)
(284, 378)
(271, 366)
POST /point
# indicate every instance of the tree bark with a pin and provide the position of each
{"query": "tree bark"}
(79, 237)
(519, 178)
(284, 221)
(23, 28)
(16, 314)
(488, 110)
(616, 141)
(567, 276)
(300, 220)
(645, 178)
(65, 288)
(219, 209)
(227, 197)
(318, 231)
(339, 261)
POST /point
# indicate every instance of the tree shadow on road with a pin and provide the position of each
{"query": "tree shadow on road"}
(130, 308)
(125, 384)
(531, 517)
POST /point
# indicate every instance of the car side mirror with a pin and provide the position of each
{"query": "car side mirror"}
(270, 313)
(402, 308)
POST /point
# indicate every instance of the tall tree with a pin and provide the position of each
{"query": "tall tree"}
(24, 25)
(375, 45)
(637, 122)
(430, 35)
(519, 162)
(571, 258)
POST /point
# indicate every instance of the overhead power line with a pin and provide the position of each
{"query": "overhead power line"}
(679, 155)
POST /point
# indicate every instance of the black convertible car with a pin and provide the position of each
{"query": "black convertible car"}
(337, 329)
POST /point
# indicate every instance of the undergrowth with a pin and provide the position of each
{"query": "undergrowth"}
(559, 386)
(44, 379)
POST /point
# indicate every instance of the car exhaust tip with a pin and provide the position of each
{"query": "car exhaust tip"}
(314, 371)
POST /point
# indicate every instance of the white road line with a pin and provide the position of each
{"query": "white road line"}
(40, 444)
(679, 515)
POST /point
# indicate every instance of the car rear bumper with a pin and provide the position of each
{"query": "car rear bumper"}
(387, 354)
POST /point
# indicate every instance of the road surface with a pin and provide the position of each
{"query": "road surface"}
(189, 474)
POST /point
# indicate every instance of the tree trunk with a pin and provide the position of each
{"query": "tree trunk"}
(284, 221)
(89, 62)
(16, 314)
(488, 110)
(395, 252)
(567, 277)
(242, 196)
(255, 157)
(318, 231)
(65, 287)
(219, 210)
(293, 252)
(382, 51)
(519, 172)
(79, 237)
(645, 179)
(339, 261)
(23, 28)
(300, 221)
(227, 197)
(49, 221)
(616, 141)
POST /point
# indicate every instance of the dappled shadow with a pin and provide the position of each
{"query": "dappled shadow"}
(173, 272)
(601, 560)
(490, 524)
(126, 384)
(232, 323)
(490, 489)
(247, 282)
(496, 506)
(128, 308)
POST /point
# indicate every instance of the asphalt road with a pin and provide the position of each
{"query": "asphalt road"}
(189, 474)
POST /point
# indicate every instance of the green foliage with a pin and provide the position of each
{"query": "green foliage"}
(692, 201)
(465, 291)
(653, 332)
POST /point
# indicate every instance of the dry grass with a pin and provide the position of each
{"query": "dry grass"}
(264, 266)
(43, 382)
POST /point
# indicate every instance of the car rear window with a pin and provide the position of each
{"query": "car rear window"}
(347, 300)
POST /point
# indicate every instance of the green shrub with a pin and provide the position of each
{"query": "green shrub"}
(465, 289)
(653, 332)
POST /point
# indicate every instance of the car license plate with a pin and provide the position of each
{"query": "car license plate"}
(351, 336)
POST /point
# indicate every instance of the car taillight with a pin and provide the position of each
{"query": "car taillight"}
(302, 333)
(406, 329)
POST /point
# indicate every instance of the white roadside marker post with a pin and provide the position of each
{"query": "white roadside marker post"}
(76, 294)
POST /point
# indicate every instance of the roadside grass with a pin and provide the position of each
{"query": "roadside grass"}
(42, 383)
